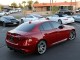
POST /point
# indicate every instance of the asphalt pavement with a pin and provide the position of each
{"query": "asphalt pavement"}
(69, 50)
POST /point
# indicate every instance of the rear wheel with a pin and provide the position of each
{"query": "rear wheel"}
(60, 21)
(72, 35)
(41, 47)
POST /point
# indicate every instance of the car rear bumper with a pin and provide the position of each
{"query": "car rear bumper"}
(25, 49)
(68, 21)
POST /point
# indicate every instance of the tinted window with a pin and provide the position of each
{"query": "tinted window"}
(26, 27)
(38, 16)
(2, 19)
(29, 16)
(41, 28)
(46, 26)
(9, 18)
(55, 16)
(54, 24)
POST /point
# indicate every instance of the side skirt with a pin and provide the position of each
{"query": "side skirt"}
(59, 41)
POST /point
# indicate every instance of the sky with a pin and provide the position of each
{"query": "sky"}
(8, 2)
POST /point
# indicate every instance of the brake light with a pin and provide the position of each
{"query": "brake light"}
(65, 19)
(26, 42)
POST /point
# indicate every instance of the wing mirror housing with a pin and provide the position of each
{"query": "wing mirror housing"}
(61, 27)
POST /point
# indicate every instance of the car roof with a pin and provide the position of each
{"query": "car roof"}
(34, 14)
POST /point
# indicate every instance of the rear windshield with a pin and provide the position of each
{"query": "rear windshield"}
(26, 27)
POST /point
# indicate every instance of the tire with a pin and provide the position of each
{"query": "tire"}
(41, 47)
(47, 19)
(4, 24)
(72, 35)
(22, 21)
(59, 21)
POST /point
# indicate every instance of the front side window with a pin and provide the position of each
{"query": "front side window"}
(3, 19)
(29, 16)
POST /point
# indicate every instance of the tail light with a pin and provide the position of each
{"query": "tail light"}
(26, 42)
(7, 35)
(65, 19)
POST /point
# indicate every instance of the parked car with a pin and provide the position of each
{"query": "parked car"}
(2, 14)
(13, 11)
(8, 20)
(62, 19)
(37, 36)
(66, 11)
(7, 13)
(77, 10)
(76, 17)
(31, 17)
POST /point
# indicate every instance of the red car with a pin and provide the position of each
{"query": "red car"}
(37, 36)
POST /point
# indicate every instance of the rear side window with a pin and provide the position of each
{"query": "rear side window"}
(29, 16)
(45, 26)
(26, 27)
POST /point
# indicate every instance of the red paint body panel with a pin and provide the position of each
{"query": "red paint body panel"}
(27, 41)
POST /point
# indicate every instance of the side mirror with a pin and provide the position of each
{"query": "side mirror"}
(61, 27)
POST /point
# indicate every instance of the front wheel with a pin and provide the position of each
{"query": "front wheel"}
(4, 24)
(41, 47)
(22, 21)
(72, 35)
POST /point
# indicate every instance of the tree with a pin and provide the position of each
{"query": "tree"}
(36, 2)
(24, 2)
(1, 7)
(14, 5)
(20, 6)
(55, 9)
(30, 4)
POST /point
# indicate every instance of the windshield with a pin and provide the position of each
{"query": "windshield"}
(26, 27)
(9, 18)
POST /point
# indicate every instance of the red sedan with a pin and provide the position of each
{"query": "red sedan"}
(37, 36)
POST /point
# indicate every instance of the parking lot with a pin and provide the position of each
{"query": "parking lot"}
(69, 50)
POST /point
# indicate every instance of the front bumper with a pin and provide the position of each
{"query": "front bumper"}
(12, 23)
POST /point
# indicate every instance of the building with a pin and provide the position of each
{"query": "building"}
(6, 8)
(46, 6)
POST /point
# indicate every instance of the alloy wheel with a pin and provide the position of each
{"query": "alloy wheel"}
(72, 35)
(41, 47)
